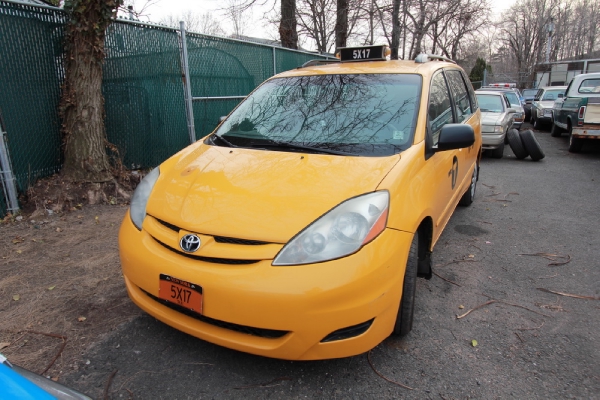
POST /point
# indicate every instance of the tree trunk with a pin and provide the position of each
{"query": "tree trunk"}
(341, 26)
(395, 29)
(287, 27)
(82, 103)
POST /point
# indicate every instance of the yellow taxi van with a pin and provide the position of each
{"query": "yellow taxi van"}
(297, 229)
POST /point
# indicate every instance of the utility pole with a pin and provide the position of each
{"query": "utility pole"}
(549, 47)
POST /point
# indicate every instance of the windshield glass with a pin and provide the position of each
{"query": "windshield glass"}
(490, 103)
(513, 98)
(369, 115)
(553, 94)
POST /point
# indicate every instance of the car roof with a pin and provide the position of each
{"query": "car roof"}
(372, 67)
(493, 92)
(553, 87)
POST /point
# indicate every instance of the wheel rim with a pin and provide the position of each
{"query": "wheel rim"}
(473, 182)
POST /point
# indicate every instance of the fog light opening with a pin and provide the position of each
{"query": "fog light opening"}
(348, 332)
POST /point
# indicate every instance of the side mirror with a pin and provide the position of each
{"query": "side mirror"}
(455, 136)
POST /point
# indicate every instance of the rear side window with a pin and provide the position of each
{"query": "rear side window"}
(459, 94)
(440, 106)
(590, 86)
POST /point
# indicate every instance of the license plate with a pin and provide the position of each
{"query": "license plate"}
(183, 293)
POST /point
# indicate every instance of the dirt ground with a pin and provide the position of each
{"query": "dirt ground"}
(48, 319)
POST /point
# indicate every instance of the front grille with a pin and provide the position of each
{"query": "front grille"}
(214, 260)
(223, 239)
(218, 239)
(168, 225)
(249, 330)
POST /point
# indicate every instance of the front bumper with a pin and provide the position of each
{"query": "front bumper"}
(307, 303)
(492, 141)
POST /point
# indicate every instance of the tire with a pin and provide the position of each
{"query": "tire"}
(499, 151)
(468, 197)
(555, 131)
(534, 122)
(575, 144)
(516, 144)
(532, 145)
(404, 320)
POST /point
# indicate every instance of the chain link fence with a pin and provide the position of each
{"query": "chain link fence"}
(142, 87)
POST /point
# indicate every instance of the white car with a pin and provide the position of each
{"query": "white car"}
(541, 108)
(497, 117)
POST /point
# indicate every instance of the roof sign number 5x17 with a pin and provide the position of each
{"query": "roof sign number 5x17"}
(367, 53)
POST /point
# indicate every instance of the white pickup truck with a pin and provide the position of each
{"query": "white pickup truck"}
(578, 111)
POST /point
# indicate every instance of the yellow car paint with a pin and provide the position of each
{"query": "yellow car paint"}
(223, 193)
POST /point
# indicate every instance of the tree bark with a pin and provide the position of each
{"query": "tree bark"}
(82, 103)
(395, 29)
(341, 26)
(288, 26)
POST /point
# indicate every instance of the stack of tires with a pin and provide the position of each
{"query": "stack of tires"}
(524, 144)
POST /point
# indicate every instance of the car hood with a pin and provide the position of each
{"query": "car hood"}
(546, 103)
(255, 194)
(491, 118)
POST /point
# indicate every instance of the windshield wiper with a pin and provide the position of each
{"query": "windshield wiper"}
(293, 146)
(222, 139)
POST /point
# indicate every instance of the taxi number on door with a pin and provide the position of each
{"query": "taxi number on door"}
(180, 292)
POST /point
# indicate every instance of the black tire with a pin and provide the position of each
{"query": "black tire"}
(532, 145)
(404, 320)
(556, 131)
(516, 144)
(534, 122)
(468, 197)
(499, 151)
(575, 144)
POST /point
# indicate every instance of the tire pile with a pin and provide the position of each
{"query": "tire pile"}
(524, 144)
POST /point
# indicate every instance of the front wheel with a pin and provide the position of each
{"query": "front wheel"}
(404, 320)
(469, 195)
(499, 151)
(555, 131)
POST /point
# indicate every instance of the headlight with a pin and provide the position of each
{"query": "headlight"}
(340, 232)
(137, 210)
(518, 115)
(547, 111)
(498, 129)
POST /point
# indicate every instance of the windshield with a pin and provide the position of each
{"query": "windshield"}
(368, 115)
(490, 103)
(513, 98)
(553, 94)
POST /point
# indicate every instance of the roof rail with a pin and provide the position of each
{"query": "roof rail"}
(423, 58)
(310, 63)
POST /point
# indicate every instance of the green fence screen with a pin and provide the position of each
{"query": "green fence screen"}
(142, 87)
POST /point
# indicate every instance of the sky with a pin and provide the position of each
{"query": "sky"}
(157, 9)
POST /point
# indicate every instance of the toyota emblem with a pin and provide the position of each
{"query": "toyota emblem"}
(189, 243)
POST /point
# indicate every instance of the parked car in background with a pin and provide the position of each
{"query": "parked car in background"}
(541, 107)
(528, 96)
(578, 112)
(497, 117)
(515, 102)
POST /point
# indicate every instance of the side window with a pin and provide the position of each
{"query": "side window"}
(459, 94)
(471, 91)
(440, 107)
